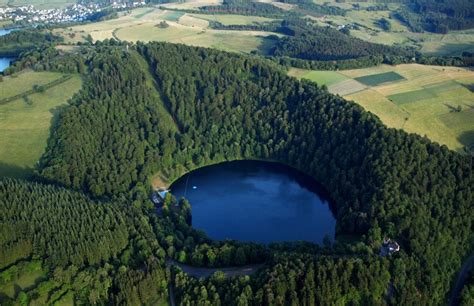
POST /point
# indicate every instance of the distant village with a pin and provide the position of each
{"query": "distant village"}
(73, 13)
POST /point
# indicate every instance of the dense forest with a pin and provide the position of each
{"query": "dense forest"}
(16, 42)
(170, 108)
(240, 7)
(311, 8)
(310, 42)
(88, 251)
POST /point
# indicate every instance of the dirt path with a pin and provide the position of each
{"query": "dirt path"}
(467, 266)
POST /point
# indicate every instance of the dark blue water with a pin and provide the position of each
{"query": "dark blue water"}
(4, 61)
(5, 31)
(256, 201)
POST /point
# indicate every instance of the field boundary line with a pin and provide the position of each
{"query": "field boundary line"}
(33, 91)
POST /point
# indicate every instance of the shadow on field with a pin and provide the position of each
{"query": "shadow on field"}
(469, 86)
(467, 139)
(453, 49)
(7, 170)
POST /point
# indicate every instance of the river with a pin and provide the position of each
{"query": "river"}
(256, 201)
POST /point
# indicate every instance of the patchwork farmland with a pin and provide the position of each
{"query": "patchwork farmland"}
(154, 24)
(428, 100)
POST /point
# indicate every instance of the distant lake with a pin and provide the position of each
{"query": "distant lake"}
(256, 201)
(4, 61)
(5, 31)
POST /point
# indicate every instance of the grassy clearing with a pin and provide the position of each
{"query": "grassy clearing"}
(434, 101)
(380, 78)
(25, 122)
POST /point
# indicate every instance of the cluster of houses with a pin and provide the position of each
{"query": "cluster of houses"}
(73, 13)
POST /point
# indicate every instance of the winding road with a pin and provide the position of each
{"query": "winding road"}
(206, 272)
(467, 266)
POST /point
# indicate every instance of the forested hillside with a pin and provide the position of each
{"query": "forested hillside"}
(92, 251)
(16, 42)
(310, 42)
(226, 106)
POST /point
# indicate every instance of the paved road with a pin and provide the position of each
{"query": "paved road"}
(468, 265)
(206, 272)
(171, 293)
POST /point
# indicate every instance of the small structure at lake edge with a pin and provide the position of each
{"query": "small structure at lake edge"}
(158, 196)
(389, 247)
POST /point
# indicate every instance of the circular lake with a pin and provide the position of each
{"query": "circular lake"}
(256, 201)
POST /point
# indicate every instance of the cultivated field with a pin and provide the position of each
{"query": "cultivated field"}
(142, 24)
(232, 19)
(26, 116)
(428, 100)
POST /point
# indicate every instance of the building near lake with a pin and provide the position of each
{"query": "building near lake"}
(158, 196)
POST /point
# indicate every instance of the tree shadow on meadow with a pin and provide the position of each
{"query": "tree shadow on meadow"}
(454, 49)
(467, 139)
(14, 171)
(469, 87)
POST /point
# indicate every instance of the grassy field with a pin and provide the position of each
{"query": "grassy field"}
(141, 24)
(453, 43)
(25, 122)
(232, 19)
(428, 100)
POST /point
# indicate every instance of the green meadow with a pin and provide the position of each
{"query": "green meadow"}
(25, 121)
